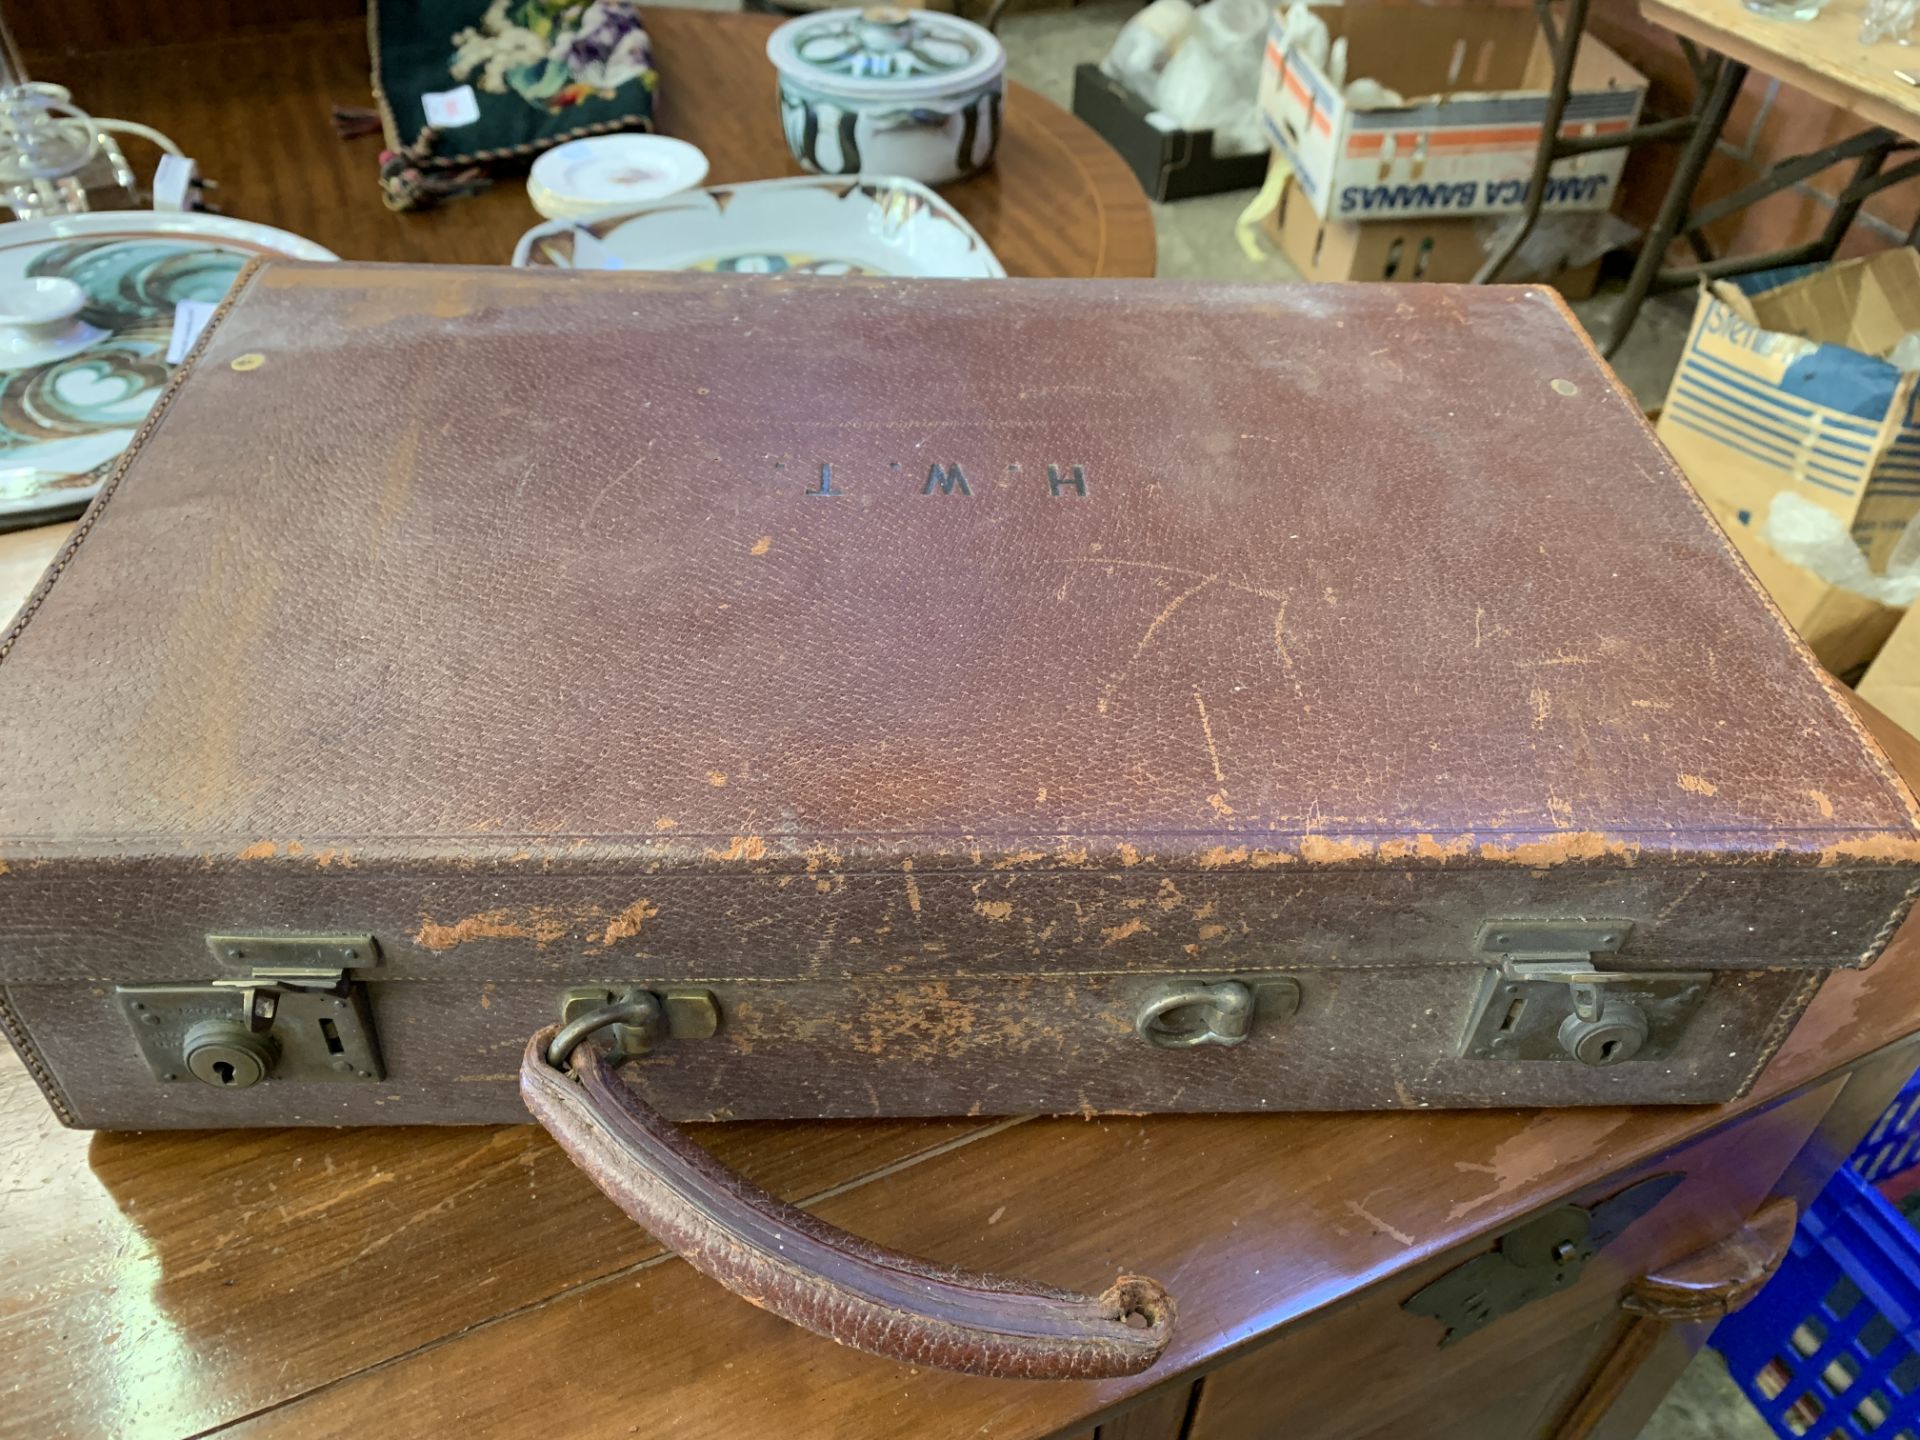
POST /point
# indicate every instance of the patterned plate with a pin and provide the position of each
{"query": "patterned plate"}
(818, 224)
(64, 422)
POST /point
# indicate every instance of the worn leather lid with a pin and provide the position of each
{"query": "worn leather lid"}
(467, 561)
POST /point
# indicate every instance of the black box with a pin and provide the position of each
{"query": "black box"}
(1170, 164)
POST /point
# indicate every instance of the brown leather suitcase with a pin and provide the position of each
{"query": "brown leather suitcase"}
(867, 697)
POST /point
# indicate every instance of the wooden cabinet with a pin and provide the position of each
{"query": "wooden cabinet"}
(1574, 1365)
(1369, 1368)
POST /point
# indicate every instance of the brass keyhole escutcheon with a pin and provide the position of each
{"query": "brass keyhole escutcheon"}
(226, 1055)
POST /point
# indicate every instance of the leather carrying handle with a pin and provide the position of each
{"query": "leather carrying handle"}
(823, 1279)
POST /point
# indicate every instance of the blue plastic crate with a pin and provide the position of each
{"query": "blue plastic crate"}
(1831, 1347)
(1893, 1144)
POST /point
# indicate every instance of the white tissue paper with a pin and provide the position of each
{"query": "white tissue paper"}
(1145, 44)
(1213, 79)
(1370, 93)
(1306, 31)
(1818, 540)
(1199, 68)
(1562, 241)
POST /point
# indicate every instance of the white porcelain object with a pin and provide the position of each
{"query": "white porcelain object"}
(818, 225)
(889, 92)
(612, 172)
(40, 321)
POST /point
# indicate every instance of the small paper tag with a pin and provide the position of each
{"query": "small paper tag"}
(450, 109)
(190, 317)
(590, 252)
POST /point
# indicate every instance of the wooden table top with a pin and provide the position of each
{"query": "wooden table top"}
(255, 111)
(1822, 56)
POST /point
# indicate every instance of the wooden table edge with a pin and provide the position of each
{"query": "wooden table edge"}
(1704, 1121)
(1118, 189)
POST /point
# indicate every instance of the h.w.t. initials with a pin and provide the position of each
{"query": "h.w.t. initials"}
(951, 478)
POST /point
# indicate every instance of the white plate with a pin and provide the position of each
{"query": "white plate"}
(63, 422)
(818, 224)
(606, 172)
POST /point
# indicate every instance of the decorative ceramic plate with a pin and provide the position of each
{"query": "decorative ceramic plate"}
(816, 225)
(64, 422)
(612, 172)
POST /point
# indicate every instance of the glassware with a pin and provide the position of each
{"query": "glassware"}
(1786, 9)
(45, 143)
(1889, 20)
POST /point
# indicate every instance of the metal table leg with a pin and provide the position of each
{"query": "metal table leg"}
(1679, 199)
(1717, 81)
(1566, 47)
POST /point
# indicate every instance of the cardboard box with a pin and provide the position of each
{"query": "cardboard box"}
(1780, 388)
(1443, 251)
(1447, 252)
(1845, 631)
(1476, 79)
(1892, 683)
(1170, 164)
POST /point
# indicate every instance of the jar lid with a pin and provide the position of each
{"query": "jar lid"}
(885, 53)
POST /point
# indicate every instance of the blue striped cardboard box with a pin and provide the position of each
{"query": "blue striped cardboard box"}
(1753, 411)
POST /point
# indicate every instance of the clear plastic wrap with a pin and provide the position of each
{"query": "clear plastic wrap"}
(1889, 20)
(1145, 45)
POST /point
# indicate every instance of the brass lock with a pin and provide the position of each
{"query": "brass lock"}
(294, 1013)
(1547, 994)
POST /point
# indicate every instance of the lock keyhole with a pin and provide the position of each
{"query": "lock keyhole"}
(1612, 1037)
(225, 1054)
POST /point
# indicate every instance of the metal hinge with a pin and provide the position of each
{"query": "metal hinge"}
(1534, 1259)
(295, 1015)
(1548, 999)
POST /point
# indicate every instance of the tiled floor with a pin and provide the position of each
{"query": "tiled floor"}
(1706, 1405)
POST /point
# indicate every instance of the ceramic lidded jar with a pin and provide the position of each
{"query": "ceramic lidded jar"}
(889, 92)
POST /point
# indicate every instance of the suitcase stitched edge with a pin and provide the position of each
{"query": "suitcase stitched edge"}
(10, 1023)
(1776, 1033)
(16, 1033)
